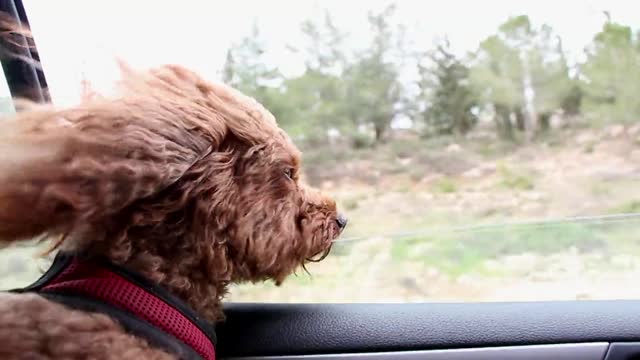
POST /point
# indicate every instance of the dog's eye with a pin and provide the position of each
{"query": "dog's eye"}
(289, 173)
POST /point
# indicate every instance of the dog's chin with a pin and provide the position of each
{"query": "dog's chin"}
(317, 256)
(278, 280)
(321, 255)
(314, 258)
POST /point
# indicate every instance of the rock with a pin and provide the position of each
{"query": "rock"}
(410, 284)
(634, 131)
(473, 173)
(481, 135)
(532, 196)
(405, 161)
(586, 139)
(429, 178)
(624, 261)
(492, 167)
(615, 131)
(426, 196)
(583, 296)
(453, 148)
(479, 171)
(465, 279)
(558, 122)
(531, 208)
(432, 273)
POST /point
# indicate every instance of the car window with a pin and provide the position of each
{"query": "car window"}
(481, 150)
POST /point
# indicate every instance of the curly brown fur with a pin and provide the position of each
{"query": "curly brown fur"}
(189, 183)
(33, 328)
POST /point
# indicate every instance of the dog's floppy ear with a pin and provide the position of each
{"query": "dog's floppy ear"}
(64, 169)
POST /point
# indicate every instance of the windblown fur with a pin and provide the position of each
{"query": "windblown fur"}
(189, 183)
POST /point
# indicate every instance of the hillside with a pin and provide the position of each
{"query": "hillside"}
(422, 215)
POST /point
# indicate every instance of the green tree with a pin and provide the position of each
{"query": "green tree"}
(325, 61)
(611, 75)
(523, 74)
(315, 105)
(553, 89)
(247, 69)
(496, 78)
(374, 91)
(572, 101)
(445, 87)
(324, 52)
(316, 97)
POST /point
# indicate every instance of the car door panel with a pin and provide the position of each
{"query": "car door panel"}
(313, 329)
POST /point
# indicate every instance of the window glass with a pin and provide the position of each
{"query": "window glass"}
(481, 150)
(6, 104)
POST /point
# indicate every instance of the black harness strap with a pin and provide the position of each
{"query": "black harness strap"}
(131, 323)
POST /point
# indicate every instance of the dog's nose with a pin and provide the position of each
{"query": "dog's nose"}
(342, 221)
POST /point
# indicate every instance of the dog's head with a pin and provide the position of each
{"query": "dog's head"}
(174, 172)
(275, 221)
(272, 221)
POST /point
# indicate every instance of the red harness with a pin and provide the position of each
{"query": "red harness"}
(103, 283)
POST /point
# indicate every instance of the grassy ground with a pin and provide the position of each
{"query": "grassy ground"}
(422, 214)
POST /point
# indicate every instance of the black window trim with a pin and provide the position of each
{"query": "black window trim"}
(25, 79)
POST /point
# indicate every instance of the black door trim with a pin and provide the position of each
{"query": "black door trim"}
(303, 329)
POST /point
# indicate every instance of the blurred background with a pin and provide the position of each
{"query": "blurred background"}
(482, 150)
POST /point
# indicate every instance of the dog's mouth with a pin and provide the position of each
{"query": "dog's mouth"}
(321, 255)
(334, 234)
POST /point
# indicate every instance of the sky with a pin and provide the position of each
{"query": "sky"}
(76, 37)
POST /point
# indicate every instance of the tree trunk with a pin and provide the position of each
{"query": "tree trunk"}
(503, 122)
(529, 95)
(507, 127)
(520, 120)
(544, 122)
(379, 132)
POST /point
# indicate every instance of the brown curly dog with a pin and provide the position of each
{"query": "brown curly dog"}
(189, 184)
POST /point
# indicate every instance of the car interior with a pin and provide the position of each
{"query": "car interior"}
(567, 330)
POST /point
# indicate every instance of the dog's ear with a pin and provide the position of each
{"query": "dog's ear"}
(61, 170)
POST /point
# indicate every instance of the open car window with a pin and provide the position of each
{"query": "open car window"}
(484, 154)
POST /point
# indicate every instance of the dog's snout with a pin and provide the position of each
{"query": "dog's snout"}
(342, 221)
